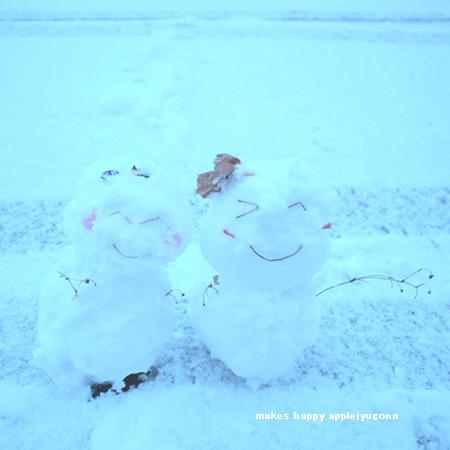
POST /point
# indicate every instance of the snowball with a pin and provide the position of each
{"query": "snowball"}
(258, 334)
(114, 326)
(129, 218)
(108, 313)
(266, 228)
(267, 235)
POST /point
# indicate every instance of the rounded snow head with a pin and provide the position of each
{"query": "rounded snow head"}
(267, 228)
(125, 213)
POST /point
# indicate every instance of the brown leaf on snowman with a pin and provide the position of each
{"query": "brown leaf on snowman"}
(213, 181)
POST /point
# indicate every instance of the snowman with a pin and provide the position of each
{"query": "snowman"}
(105, 311)
(266, 236)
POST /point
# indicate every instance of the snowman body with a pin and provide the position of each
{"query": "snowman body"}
(106, 310)
(264, 234)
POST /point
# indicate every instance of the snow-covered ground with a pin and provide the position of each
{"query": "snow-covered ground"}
(366, 104)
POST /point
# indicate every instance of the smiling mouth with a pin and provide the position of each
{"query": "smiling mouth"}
(282, 258)
(129, 256)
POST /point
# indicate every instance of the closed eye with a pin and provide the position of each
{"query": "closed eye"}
(298, 204)
(148, 220)
(119, 213)
(255, 207)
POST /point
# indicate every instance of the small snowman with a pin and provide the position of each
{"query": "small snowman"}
(105, 312)
(266, 235)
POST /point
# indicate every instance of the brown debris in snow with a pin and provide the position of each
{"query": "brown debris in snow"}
(224, 166)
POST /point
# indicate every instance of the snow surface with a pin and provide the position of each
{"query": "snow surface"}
(367, 105)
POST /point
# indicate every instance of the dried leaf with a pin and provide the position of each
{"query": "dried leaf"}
(224, 166)
(226, 157)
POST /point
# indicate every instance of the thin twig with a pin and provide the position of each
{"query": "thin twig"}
(215, 282)
(130, 221)
(115, 213)
(121, 254)
(80, 282)
(275, 259)
(128, 256)
(171, 293)
(248, 212)
(399, 282)
(210, 286)
(296, 204)
(148, 220)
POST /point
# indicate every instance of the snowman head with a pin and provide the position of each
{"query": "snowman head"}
(266, 227)
(128, 215)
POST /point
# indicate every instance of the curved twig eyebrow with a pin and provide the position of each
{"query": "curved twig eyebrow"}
(248, 212)
(275, 259)
(297, 204)
(119, 213)
(148, 220)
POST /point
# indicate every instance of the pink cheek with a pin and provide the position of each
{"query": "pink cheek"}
(229, 234)
(327, 226)
(88, 222)
(176, 241)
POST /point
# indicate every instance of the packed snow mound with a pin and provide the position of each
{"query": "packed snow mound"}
(259, 334)
(108, 330)
(105, 311)
(124, 214)
(267, 236)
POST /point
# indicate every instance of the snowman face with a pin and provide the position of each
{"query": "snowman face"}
(128, 215)
(264, 231)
